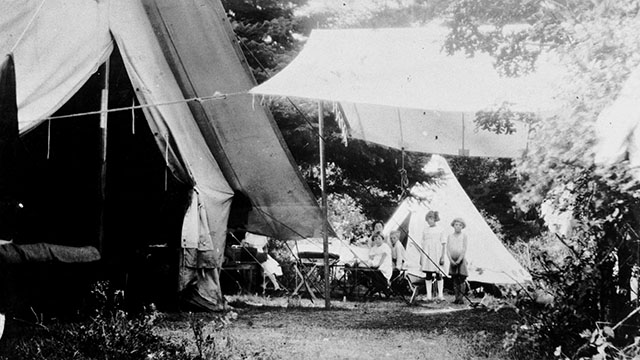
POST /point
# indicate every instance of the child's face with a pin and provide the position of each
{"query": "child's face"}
(394, 238)
(378, 227)
(431, 221)
(377, 241)
(457, 226)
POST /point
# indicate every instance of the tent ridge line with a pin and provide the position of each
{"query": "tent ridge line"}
(215, 96)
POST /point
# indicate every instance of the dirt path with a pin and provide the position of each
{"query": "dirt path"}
(364, 330)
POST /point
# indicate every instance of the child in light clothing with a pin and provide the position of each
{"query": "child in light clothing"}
(397, 251)
(269, 265)
(432, 260)
(457, 250)
(380, 260)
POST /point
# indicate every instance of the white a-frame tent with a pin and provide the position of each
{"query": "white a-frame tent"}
(488, 259)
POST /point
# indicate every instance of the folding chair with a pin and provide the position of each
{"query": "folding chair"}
(376, 283)
(415, 281)
(398, 283)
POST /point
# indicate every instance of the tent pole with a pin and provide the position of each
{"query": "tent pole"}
(463, 152)
(325, 238)
(104, 105)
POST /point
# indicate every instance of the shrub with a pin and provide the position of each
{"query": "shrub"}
(109, 333)
(112, 333)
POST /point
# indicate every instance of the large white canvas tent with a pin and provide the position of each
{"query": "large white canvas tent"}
(488, 259)
(190, 78)
(397, 87)
(618, 127)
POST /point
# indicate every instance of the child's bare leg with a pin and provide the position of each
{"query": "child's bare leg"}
(457, 288)
(440, 284)
(272, 277)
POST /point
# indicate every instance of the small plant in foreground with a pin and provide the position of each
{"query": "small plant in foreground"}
(213, 343)
(112, 333)
(109, 333)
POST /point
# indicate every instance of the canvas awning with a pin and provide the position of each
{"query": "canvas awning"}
(398, 88)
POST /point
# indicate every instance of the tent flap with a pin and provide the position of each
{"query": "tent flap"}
(174, 127)
(244, 140)
(55, 54)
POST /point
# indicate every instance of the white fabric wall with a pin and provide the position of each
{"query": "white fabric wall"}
(64, 44)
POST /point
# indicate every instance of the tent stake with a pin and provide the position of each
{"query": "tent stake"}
(325, 238)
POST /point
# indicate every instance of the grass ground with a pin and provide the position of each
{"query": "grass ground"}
(282, 329)
(293, 328)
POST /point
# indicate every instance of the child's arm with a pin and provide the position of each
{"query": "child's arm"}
(400, 259)
(443, 241)
(464, 247)
(381, 260)
(449, 252)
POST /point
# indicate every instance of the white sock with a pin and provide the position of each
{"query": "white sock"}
(429, 284)
(440, 284)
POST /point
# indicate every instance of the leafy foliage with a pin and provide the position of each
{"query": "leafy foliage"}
(113, 333)
(265, 30)
(501, 121)
(346, 217)
(374, 13)
(367, 173)
(110, 333)
(592, 38)
(491, 184)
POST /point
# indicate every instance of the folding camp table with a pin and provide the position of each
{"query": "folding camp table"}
(244, 274)
(310, 272)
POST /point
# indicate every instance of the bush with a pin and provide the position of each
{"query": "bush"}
(575, 297)
(112, 333)
(109, 333)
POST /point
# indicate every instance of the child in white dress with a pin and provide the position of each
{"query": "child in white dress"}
(433, 244)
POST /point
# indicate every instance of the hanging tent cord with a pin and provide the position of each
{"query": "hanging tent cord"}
(35, 14)
(342, 122)
(304, 116)
(404, 179)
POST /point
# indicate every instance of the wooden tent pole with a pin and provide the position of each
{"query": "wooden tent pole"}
(104, 106)
(325, 238)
